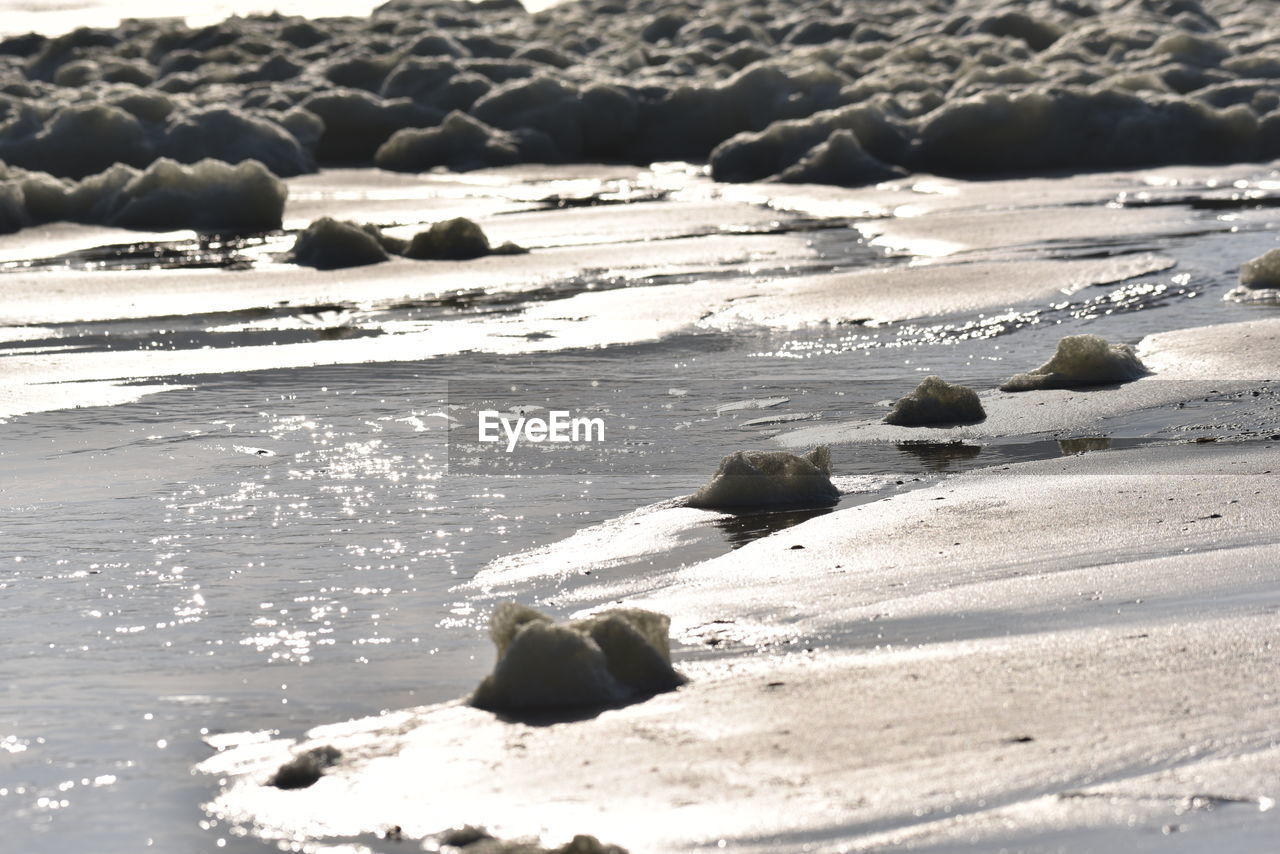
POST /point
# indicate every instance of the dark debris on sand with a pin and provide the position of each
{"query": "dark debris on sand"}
(305, 768)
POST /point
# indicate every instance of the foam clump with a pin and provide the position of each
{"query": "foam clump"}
(1263, 271)
(937, 402)
(234, 136)
(76, 141)
(457, 239)
(1039, 128)
(330, 244)
(987, 86)
(357, 123)
(460, 143)
(612, 657)
(306, 768)
(841, 161)
(1259, 278)
(691, 118)
(13, 211)
(852, 145)
(437, 83)
(206, 196)
(540, 103)
(477, 840)
(1081, 361)
(769, 480)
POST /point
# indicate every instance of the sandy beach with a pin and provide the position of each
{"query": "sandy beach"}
(265, 278)
(1069, 652)
(931, 683)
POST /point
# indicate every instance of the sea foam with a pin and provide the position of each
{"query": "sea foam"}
(937, 402)
(1263, 271)
(330, 244)
(769, 480)
(209, 195)
(612, 657)
(1259, 279)
(847, 93)
(1081, 361)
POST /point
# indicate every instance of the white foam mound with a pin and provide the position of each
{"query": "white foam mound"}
(330, 244)
(975, 87)
(233, 136)
(13, 209)
(209, 196)
(356, 123)
(460, 143)
(457, 239)
(1259, 279)
(75, 141)
(206, 196)
(841, 161)
(539, 103)
(1263, 271)
(937, 402)
(1073, 126)
(611, 657)
(784, 146)
(764, 480)
(1080, 361)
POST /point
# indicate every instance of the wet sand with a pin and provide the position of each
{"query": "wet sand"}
(230, 500)
(1069, 653)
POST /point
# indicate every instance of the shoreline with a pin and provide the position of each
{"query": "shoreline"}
(238, 383)
(1074, 693)
(764, 596)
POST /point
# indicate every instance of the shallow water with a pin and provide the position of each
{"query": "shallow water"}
(277, 543)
